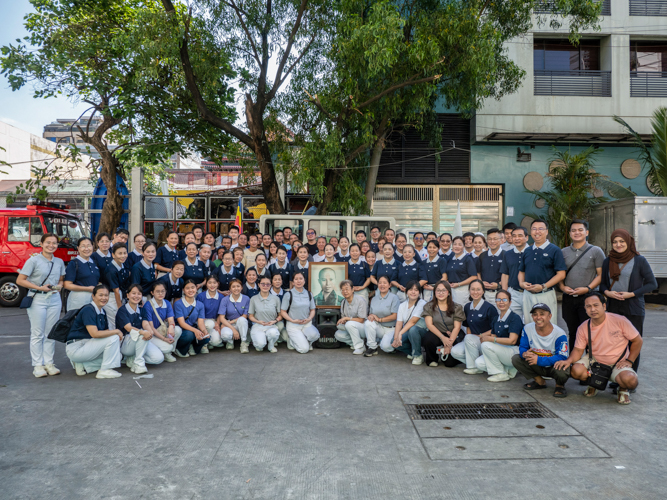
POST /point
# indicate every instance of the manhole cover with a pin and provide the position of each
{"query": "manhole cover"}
(478, 411)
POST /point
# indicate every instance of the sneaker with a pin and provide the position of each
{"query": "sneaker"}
(472, 371)
(51, 369)
(129, 362)
(289, 345)
(139, 369)
(310, 347)
(108, 374)
(410, 356)
(273, 349)
(191, 351)
(80, 370)
(210, 346)
(259, 349)
(169, 357)
(244, 348)
(370, 352)
(230, 345)
(361, 350)
(499, 377)
(204, 350)
(39, 371)
(178, 353)
(417, 360)
(433, 364)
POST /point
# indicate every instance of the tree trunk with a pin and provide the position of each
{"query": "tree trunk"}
(112, 210)
(330, 177)
(371, 179)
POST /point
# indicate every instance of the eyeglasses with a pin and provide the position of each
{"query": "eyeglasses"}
(310, 232)
(502, 300)
(539, 229)
(441, 291)
(265, 284)
(418, 238)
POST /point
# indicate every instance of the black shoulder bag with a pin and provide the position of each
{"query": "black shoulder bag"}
(577, 260)
(599, 373)
(26, 302)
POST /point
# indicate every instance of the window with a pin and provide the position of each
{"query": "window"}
(67, 229)
(367, 225)
(648, 57)
(561, 55)
(296, 225)
(36, 231)
(157, 232)
(191, 208)
(18, 229)
(328, 228)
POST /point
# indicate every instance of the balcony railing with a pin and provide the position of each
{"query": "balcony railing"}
(648, 8)
(547, 6)
(648, 84)
(587, 83)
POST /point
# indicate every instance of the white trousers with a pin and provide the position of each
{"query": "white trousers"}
(548, 298)
(362, 293)
(497, 358)
(216, 338)
(262, 335)
(428, 295)
(351, 333)
(468, 351)
(302, 336)
(43, 314)
(490, 297)
(374, 331)
(461, 295)
(166, 347)
(144, 351)
(76, 300)
(227, 335)
(402, 296)
(111, 309)
(95, 354)
(517, 302)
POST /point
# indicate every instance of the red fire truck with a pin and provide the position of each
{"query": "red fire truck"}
(20, 232)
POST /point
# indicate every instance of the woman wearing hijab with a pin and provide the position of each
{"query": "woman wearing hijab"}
(626, 277)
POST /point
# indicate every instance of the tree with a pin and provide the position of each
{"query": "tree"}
(654, 155)
(122, 59)
(573, 182)
(387, 64)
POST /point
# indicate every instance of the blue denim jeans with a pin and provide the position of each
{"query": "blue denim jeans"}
(412, 341)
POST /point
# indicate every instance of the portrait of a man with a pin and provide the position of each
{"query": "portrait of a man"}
(325, 281)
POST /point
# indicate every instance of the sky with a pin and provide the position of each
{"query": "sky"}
(19, 108)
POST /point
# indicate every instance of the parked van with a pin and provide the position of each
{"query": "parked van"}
(325, 225)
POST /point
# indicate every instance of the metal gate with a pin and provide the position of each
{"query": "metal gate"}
(434, 207)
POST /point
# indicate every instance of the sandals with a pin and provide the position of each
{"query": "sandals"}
(560, 392)
(623, 397)
(590, 392)
(532, 386)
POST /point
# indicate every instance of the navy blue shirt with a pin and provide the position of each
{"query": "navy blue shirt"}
(489, 266)
(480, 320)
(87, 315)
(194, 272)
(432, 271)
(132, 259)
(211, 305)
(175, 290)
(224, 278)
(510, 267)
(143, 276)
(459, 270)
(400, 259)
(358, 273)
(342, 258)
(125, 315)
(82, 273)
(374, 246)
(285, 273)
(210, 268)
(115, 278)
(166, 257)
(382, 268)
(512, 324)
(101, 261)
(250, 292)
(406, 274)
(540, 265)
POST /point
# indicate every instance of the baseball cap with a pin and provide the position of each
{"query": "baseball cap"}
(542, 306)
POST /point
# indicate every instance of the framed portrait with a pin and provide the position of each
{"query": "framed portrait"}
(324, 283)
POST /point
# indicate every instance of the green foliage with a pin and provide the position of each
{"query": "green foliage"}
(572, 182)
(654, 156)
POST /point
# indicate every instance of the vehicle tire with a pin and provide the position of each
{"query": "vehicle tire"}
(11, 294)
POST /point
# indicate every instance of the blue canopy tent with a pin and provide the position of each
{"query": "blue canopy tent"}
(98, 203)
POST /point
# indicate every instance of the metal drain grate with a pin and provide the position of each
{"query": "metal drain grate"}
(478, 411)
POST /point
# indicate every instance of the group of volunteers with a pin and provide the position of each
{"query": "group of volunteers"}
(485, 300)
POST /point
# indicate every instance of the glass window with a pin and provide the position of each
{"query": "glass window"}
(157, 207)
(329, 228)
(254, 208)
(36, 231)
(18, 229)
(367, 225)
(561, 55)
(295, 224)
(648, 57)
(223, 208)
(157, 232)
(67, 229)
(191, 208)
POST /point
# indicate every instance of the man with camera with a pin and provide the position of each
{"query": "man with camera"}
(608, 358)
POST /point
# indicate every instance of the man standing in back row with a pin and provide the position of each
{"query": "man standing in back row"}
(540, 270)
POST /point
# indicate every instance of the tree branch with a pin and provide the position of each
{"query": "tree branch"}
(397, 87)
(278, 83)
(246, 30)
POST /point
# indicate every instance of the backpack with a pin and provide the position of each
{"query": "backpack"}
(62, 327)
(289, 304)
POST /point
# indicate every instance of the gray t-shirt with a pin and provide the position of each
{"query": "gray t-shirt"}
(301, 306)
(385, 306)
(264, 309)
(585, 271)
(623, 283)
(358, 308)
(37, 269)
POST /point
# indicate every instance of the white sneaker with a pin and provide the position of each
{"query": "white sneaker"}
(289, 345)
(129, 361)
(108, 374)
(204, 350)
(244, 348)
(178, 353)
(191, 351)
(210, 346)
(410, 356)
(169, 357)
(352, 347)
(80, 369)
(310, 347)
(273, 349)
(418, 360)
(138, 369)
(51, 369)
(433, 364)
(472, 371)
(39, 371)
(499, 377)
(230, 345)
(359, 351)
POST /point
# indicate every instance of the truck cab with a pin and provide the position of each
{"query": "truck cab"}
(21, 230)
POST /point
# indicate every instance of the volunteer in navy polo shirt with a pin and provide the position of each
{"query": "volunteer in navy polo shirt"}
(401, 241)
(510, 269)
(386, 266)
(489, 263)
(542, 267)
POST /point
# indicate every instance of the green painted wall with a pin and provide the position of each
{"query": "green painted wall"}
(492, 164)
